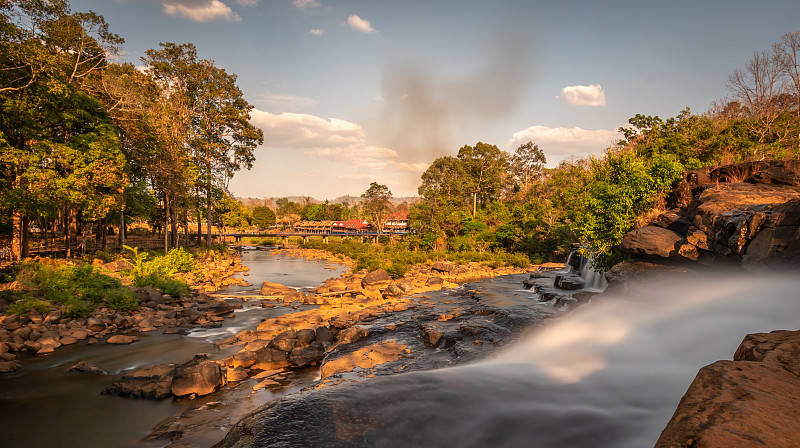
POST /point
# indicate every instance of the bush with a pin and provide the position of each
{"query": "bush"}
(122, 299)
(25, 304)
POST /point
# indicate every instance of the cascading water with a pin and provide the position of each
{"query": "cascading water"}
(608, 374)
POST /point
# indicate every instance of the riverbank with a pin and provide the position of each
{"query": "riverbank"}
(35, 334)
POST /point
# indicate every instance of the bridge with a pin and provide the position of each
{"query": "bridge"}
(285, 235)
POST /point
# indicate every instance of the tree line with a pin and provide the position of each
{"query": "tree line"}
(487, 199)
(86, 140)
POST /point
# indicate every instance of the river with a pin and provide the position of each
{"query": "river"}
(44, 405)
(609, 374)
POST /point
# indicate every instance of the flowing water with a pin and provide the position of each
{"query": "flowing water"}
(43, 405)
(609, 374)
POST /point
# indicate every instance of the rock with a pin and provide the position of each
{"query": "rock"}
(85, 367)
(441, 266)
(53, 317)
(276, 289)
(95, 325)
(352, 334)
(9, 366)
(35, 317)
(305, 337)
(752, 400)
(778, 242)
(569, 281)
(688, 251)
(120, 339)
(698, 238)
(147, 382)
(68, 340)
(118, 265)
(434, 281)
(303, 356)
(198, 376)
(364, 358)
(270, 358)
(651, 241)
(12, 322)
(324, 334)
(376, 277)
(235, 374)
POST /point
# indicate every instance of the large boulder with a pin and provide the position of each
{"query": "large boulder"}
(376, 277)
(197, 377)
(118, 265)
(750, 401)
(147, 382)
(778, 241)
(652, 242)
(276, 289)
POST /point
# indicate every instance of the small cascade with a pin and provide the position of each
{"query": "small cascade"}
(580, 274)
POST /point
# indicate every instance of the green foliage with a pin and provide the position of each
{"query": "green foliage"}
(263, 217)
(24, 305)
(160, 271)
(77, 289)
(122, 299)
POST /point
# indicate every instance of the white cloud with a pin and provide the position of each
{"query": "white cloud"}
(316, 32)
(330, 139)
(359, 24)
(559, 143)
(304, 4)
(592, 95)
(200, 10)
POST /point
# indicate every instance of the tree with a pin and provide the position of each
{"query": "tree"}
(263, 217)
(484, 168)
(527, 164)
(212, 117)
(376, 203)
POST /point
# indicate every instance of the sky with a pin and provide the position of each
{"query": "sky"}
(349, 92)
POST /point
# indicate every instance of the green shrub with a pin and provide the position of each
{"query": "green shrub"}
(122, 299)
(24, 305)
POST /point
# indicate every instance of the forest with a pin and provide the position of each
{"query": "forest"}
(88, 142)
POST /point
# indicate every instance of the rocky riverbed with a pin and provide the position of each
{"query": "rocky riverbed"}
(365, 324)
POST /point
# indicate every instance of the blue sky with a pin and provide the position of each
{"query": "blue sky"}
(353, 91)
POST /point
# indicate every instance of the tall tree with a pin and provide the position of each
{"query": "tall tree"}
(376, 203)
(484, 167)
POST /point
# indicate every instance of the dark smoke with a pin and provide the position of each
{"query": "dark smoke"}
(424, 117)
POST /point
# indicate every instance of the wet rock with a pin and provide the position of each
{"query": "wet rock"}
(68, 340)
(569, 281)
(305, 337)
(147, 382)
(364, 358)
(120, 339)
(235, 374)
(9, 366)
(324, 334)
(276, 289)
(270, 358)
(85, 367)
(303, 356)
(35, 317)
(198, 376)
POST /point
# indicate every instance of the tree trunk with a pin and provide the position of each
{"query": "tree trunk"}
(121, 235)
(208, 216)
(174, 224)
(166, 223)
(16, 236)
(474, 204)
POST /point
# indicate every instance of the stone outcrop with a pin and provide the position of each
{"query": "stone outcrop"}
(747, 213)
(750, 401)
